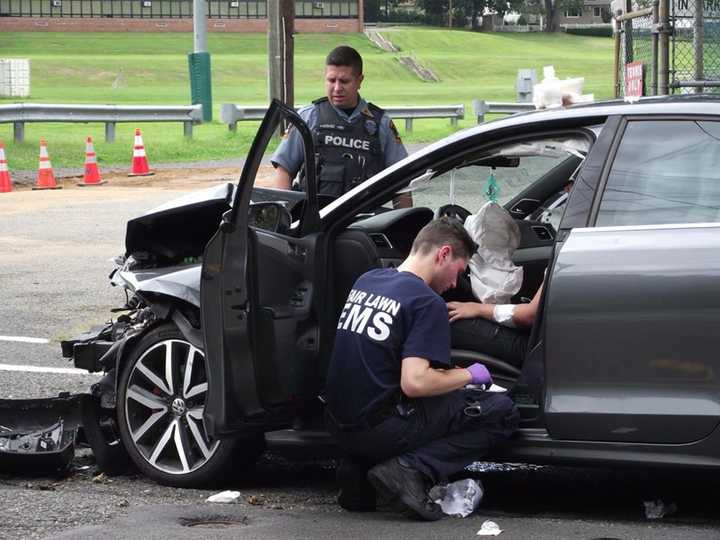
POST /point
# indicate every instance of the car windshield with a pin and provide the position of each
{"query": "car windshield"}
(498, 175)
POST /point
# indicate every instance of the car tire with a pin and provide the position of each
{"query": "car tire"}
(160, 414)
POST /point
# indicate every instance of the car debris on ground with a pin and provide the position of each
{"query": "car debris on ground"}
(489, 528)
(226, 496)
(658, 509)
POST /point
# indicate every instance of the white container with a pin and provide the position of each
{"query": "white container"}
(14, 77)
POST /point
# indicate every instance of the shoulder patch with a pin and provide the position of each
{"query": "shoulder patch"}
(395, 133)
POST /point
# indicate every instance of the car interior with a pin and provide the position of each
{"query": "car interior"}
(526, 176)
(528, 179)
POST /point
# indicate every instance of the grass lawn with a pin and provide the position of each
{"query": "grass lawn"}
(152, 68)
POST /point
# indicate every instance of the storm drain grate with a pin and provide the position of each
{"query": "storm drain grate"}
(213, 522)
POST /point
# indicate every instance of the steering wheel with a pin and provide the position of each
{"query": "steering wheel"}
(453, 211)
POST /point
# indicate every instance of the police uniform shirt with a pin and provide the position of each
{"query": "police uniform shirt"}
(389, 315)
(290, 154)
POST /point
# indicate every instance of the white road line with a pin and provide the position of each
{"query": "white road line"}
(23, 339)
(43, 369)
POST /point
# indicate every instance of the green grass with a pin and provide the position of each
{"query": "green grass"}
(139, 68)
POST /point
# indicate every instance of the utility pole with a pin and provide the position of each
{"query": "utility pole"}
(450, 15)
(281, 26)
(199, 62)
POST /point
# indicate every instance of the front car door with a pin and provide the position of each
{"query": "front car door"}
(258, 299)
(633, 299)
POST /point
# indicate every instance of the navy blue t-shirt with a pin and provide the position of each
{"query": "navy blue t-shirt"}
(388, 316)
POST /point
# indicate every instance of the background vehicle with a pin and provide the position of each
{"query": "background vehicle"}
(213, 361)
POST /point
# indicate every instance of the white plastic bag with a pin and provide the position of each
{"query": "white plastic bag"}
(552, 92)
(493, 276)
(460, 498)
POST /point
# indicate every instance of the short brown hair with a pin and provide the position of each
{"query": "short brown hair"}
(444, 231)
(345, 56)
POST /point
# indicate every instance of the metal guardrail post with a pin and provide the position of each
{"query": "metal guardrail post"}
(19, 131)
(408, 125)
(454, 121)
(188, 129)
(110, 132)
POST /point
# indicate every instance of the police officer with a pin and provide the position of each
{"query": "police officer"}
(354, 139)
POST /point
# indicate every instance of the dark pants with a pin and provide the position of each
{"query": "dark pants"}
(487, 337)
(433, 435)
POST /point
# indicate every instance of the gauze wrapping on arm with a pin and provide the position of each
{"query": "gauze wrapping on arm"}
(503, 314)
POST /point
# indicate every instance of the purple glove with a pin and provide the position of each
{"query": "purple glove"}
(480, 374)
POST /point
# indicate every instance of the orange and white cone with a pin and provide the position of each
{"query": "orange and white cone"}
(45, 175)
(92, 173)
(5, 181)
(140, 165)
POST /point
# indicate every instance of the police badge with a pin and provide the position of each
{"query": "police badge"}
(370, 127)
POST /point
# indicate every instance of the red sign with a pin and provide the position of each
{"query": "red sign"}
(634, 80)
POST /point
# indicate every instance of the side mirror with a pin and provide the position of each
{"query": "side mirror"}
(269, 216)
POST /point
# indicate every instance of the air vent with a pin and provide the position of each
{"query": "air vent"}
(542, 233)
(380, 240)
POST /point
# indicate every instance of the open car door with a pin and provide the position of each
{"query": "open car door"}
(257, 297)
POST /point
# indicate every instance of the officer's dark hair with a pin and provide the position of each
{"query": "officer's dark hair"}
(345, 56)
(444, 231)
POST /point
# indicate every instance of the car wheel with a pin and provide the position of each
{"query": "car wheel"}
(161, 400)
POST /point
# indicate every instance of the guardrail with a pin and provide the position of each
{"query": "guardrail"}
(231, 114)
(20, 113)
(481, 108)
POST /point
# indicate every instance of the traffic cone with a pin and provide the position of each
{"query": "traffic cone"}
(45, 175)
(92, 173)
(140, 165)
(5, 181)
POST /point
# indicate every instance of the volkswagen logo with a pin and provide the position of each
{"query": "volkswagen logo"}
(178, 406)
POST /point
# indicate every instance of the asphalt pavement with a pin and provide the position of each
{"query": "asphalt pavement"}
(55, 248)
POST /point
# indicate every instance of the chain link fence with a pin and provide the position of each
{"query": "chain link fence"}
(677, 42)
(636, 45)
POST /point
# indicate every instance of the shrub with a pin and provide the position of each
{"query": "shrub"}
(597, 31)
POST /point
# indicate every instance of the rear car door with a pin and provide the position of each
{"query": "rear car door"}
(633, 299)
(257, 299)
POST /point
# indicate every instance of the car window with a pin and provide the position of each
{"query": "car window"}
(664, 172)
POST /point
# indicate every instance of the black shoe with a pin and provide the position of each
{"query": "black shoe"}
(356, 493)
(406, 487)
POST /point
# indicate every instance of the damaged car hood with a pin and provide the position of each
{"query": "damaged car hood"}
(181, 228)
(181, 282)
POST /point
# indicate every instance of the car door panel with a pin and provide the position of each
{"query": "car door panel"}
(285, 324)
(247, 300)
(631, 339)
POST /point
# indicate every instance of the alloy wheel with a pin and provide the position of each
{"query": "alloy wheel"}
(164, 405)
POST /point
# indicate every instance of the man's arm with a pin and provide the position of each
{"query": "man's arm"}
(523, 314)
(282, 179)
(418, 379)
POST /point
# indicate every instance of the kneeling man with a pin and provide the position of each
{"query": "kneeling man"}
(395, 404)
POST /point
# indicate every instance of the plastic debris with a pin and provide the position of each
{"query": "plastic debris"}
(658, 509)
(459, 498)
(100, 478)
(489, 528)
(226, 496)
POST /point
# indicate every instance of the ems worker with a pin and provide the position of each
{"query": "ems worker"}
(354, 139)
(394, 402)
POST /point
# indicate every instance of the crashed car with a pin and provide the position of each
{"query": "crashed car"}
(233, 293)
